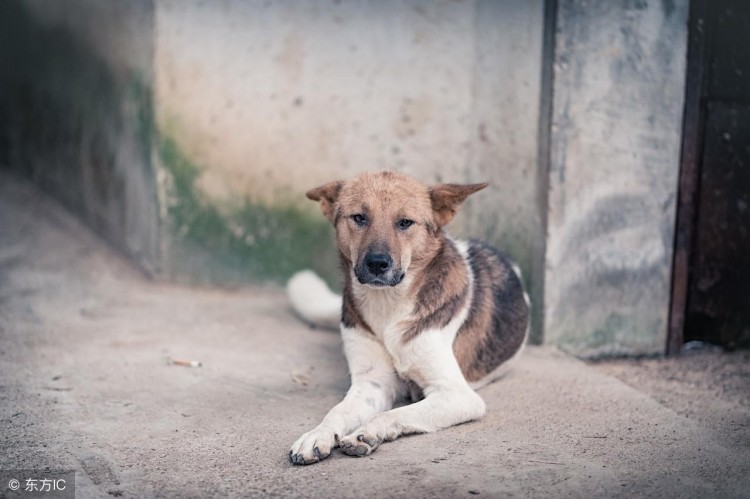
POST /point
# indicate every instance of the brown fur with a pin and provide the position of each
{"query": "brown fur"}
(350, 315)
(386, 198)
(498, 316)
(441, 290)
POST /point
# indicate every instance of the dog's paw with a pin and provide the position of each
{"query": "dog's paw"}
(313, 446)
(360, 443)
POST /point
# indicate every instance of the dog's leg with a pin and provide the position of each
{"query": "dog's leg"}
(375, 386)
(429, 361)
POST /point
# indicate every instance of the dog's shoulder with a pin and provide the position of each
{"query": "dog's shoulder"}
(441, 290)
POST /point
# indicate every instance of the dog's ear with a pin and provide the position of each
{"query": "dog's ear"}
(446, 198)
(327, 195)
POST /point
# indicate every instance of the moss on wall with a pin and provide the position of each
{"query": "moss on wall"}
(247, 241)
(84, 131)
(67, 120)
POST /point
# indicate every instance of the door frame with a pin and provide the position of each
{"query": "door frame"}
(700, 26)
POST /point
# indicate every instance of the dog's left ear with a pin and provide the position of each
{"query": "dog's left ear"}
(446, 198)
(327, 195)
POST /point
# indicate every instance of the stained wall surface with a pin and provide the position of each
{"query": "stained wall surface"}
(75, 113)
(619, 78)
(267, 100)
(186, 133)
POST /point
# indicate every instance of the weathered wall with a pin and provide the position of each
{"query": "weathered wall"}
(242, 106)
(618, 97)
(266, 100)
(254, 103)
(504, 140)
(75, 114)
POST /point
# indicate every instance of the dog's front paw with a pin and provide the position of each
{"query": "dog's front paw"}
(360, 443)
(313, 446)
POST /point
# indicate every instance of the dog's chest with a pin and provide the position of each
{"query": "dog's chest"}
(383, 311)
(386, 313)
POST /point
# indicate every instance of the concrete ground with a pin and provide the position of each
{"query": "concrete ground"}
(84, 386)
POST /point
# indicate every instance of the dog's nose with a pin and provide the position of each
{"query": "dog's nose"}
(378, 263)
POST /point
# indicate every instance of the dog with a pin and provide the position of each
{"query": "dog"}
(422, 316)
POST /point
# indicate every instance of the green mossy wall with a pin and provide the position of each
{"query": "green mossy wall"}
(78, 128)
(85, 132)
(244, 241)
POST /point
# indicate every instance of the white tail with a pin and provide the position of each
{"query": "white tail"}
(313, 300)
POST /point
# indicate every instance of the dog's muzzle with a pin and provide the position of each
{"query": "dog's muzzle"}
(377, 269)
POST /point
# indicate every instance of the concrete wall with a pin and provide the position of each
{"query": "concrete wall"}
(505, 130)
(75, 113)
(266, 100)
(618, 98)
(186, 132)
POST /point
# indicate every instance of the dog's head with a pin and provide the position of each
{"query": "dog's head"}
(388, 223)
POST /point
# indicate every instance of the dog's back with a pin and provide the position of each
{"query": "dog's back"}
(497, 324)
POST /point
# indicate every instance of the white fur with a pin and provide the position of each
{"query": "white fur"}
(517, 271)
(379, 365)
(427, 360)
(463, 249)
(381, 308)
(375, 387)
(313, 299)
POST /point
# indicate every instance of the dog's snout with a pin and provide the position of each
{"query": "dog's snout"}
(378, 263)
(377, 269)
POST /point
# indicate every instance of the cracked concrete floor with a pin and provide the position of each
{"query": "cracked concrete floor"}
(84, 386)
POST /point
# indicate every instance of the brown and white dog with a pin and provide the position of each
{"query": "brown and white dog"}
(422, 315)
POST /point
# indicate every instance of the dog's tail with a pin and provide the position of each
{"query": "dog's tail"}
(313, 300)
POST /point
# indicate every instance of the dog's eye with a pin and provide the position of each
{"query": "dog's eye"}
(405, 223)
(359, 219)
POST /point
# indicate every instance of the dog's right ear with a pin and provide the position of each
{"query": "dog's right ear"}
(327, 195)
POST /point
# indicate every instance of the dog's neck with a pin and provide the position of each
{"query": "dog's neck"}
(383, 308)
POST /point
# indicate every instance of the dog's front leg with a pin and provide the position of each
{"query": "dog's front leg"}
(375, 386)
(430, 362)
